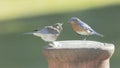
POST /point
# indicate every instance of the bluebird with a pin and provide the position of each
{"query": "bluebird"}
(82, 28)
(48, 33)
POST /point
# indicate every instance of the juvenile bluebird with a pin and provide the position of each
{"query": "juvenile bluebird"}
(48, 33)
(82, 28)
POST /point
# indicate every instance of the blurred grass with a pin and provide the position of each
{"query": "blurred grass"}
(23, 51)
(10, 9)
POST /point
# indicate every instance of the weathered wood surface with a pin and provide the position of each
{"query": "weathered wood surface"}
(83, 54)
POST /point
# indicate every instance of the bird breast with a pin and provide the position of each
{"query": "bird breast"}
(76, 27)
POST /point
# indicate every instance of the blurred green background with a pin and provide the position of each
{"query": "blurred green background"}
(17, 17)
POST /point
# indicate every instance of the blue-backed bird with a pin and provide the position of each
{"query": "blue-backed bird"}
(82, 28)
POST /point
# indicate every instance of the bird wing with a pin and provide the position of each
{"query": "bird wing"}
(48, 30)
(85, 26)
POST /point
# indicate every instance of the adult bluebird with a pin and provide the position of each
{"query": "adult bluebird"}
(48, 33)
(82, 28)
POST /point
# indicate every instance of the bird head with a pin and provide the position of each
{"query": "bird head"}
(58, 26)
(74, 20)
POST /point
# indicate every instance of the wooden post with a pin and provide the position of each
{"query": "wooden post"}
(79, 54)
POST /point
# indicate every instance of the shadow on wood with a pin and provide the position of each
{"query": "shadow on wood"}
(79, 54)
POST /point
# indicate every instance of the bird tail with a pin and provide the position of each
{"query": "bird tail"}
(98, 34)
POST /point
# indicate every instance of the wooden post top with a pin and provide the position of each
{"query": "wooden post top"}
(82, 54)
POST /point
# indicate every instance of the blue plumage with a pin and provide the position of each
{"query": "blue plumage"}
(86, 28)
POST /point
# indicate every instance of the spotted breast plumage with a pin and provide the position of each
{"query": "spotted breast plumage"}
(82, 28)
